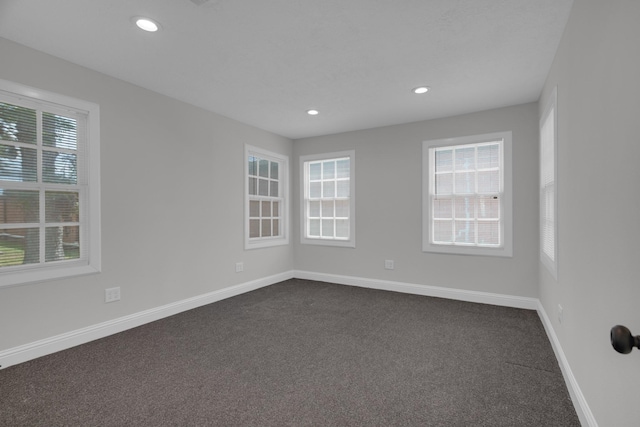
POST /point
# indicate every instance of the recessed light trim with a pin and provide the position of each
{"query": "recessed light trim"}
(313, 112)
(146, 24)
(421, 89)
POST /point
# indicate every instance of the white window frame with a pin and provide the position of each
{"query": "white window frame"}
(304, 198)
(90, 253)
(505, 249)
(549, 173)
(282, 199)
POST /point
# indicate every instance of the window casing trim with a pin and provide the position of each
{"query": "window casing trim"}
(506, 223)
(304, 161)
(550, 111)
(90, 262)
(283, 199)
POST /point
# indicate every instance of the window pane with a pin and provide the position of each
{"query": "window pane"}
(489, 156)
(314, 209)
(61, 206)
(328, 189)
(465, 158)
(489, 233)
(59, 168)
(443, 208)
(489, 207)
(266, 227)
(253, 186)
(273, 188)
(444, 160)
(276, 209)
(19, 246)
(59, 131)
(263, 168)
(253, 166)
(254, 228)
(444, 184)
(465, 232)
(18, 206)
(276, 227)
(274, 170)
(465, 183)
(465, 207)
(314, 228)
(327, 209)
(254, 208)
(315, 191)
(315, 171)
(263, 187)
(342, 208)
(343, 189)
(442, 231)
(343, 168)
(329, 170)
(62, 243)
(17, 124)
(18, 163)
(266, 209)
(327, 228)
(342, 228)
(489, 182)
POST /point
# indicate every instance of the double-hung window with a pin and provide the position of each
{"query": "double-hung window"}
(467, 195)
(49, 185)
(548, 193)
(328, 199)
(266, 189)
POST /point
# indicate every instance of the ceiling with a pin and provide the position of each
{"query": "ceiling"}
(266, 62)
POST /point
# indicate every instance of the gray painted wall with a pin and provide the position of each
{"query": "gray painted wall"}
(172, 204)
(389, 206)
(597, 69)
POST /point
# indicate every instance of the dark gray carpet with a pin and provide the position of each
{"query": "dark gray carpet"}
(303, 353)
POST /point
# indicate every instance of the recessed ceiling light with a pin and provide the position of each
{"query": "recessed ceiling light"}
(421, 89)
(313, 112)
(146, 24)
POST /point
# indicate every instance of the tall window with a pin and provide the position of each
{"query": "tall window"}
(328, 202)
(548, 193)
(265, 202)
(468, 195)
(49, 189)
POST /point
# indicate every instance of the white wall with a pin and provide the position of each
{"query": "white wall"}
(172, 204)
(389, 206)
(597, 71)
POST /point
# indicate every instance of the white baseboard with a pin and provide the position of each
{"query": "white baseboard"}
(67, 340)
(579, 402)
(424, 290)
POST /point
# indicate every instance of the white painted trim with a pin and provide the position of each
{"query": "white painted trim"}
(283, 160)
(67, 340)
(425, 290)
(579, 401)
(304, 180)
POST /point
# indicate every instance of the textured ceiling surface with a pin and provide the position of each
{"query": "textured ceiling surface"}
(265, 62)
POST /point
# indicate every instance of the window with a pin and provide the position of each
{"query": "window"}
(49, 185)
(266, 187)
(467, 195)
(548, 193)
(328, 202)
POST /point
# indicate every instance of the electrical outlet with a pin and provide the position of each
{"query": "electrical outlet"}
(112, 294)
(239, 267)
(560, 313)
(388, 264)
